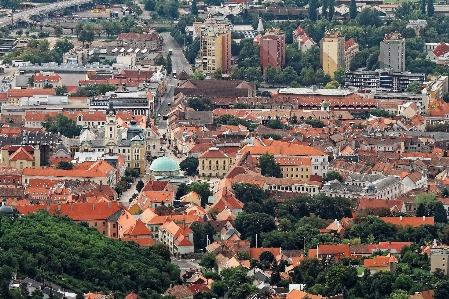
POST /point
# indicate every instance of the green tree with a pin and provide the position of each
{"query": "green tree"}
(423, 4)
(64, 165)
(330, 15)
(268, 166)
(324, 8)
(169, 65)
(220, 288)
(332, 85)
(202, 233)
(369, 17)
(430, 8)
(78, 28)
(339, 76)
(150, 5)
(203, 190)
(58, 30)
(439, 212)
(194, 9)
(183, 189)
(380, 113)
(208, 261)
(61, 90)
(199, 105)
(197, 75)
(62, 124)
(414, 87)
(313, 6)
(267, 256)
(445, 192)
(250, 225)
(403, 282)
(333, 175)
(315, 123)
(352, 10)
(442, 290)
(248, 192)
(273, 136)
(86, 35)
(139, 186)
(399, 294)
(189, 165)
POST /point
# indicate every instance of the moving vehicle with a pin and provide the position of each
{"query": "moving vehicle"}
(170, 51)
(174, 73)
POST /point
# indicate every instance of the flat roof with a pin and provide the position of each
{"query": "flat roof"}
(313, 91)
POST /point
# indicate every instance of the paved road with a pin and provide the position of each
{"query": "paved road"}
(25, 15)
(179, 63)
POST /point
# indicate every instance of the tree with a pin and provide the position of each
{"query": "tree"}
(274, 124)
(439, 212)
(268, 166)
(62, 124)
(250, 225)
(369, 17)
(199, 105)
(86, 35)
(333, 175)
(332, 85)
(330, 15)
(399, 294)
(423, 4)
(208, 261)
(442, 290)
(313, 6)
(197, 75)
(430, 8)
(248, 192)
(270, 75)
(380, 113)
(324, 9)
(194, 8)
(61, 90)
(58, 30)
(219, 287)
(267, 256)
(183, 189)
(150, 5)
(136, 10)
(140, 184)
(403, 282)
(203, 190)
(217, 74)
(445, 192)
(339, 76)
(352, 10)
(189, 165)
(78, 28)
(64, 165)
(169, 66)
(414, 87)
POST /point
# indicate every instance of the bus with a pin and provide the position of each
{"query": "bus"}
(170, 51)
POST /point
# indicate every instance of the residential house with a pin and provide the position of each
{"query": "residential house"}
(381, 263)
(192, 198)
(20, 157)
(44, 79)
(150, 41)
(440, 55)
(179, 292)
(225, 199)
(178, 237)
(423, 295)
(214, 162)
(302, 38)
(412, 221)
(335, 228)
(351, 48)
(152, 199)
(395, 206)
(335, 251)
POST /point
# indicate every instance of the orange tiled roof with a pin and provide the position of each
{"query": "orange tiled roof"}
(29, 92)
(412, 221)
(138, 229)
(283, 149)
(21, 154)
(50, 78)
(83, 170)
(256, 252)
(380, 261)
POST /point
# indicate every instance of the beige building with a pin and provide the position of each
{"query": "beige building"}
(436, 87)
(20, 157)
(215, 48)
(332, 51)
(214, 163)
(438, 259)
(392, 52)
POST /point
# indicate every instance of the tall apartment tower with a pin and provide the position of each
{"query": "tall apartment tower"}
(392, 52)
(272, 49)
(216, 48)
(332, 51)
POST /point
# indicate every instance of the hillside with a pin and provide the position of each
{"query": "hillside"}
(79, 258)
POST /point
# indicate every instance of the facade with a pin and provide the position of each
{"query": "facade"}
(272, 49)
(392, 52)
(178, 238)
(332, 51)
(42, 80)
(20, 157)
(215, 49)
(351, 48)
(436, 87)
(302, 38)
(214, 163)
(439, 258)
(382, 79)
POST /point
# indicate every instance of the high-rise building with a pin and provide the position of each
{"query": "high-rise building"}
(216, 48)
(392, 52)
(332, 51)
(272, 49)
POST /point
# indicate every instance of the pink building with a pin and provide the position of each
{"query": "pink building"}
(272, 49)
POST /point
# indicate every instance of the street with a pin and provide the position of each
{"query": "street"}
(179, 63)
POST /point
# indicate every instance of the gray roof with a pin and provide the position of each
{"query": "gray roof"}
(358, 177)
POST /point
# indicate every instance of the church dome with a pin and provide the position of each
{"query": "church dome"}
(164, 164)
(5, 209)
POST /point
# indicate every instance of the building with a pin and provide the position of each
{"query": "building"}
(178, 237)
(215, 163)
(436, 87)
(272, 49)
(7, 45)
(332, 51)
(302, 38)
(351, 48)
(150, 41)
(418, 26)
(20, 157)
(382, 79)
(166, 169)
(439, 55)
(392, 52)
(381, 263)
(215, 49)
(44, 79)
(439, 258)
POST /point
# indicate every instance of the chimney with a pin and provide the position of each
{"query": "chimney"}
(101, 183)
(400, 218)
(59, 207)
(109, 204)
(93, 206)
(48, 207)
(423, 218)
(71, 206)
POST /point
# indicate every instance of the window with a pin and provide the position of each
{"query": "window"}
(113, 225)
(95, 224)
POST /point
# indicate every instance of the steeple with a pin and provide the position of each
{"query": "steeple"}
(260, 26)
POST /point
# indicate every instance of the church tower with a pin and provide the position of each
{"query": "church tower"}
(110, 129)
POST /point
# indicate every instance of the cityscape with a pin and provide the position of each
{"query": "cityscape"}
(234, 149)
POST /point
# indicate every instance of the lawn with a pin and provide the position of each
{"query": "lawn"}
(417, 271)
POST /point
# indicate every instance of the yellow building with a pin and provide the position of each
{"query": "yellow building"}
(20, 157)
(381, 263)
(214, 163)
(332, 51)
(215, 48)
(294, 167)
(436, 87)
(192, 197)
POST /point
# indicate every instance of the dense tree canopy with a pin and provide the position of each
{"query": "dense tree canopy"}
(62, 124)
(81, 259)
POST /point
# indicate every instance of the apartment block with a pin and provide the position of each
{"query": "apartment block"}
(438, 259)
(436, 87)
(272, 49)
(216, 48)
(332, 51)
(351, 48)
(392, 52)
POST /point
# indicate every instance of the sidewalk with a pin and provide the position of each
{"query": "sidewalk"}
(128, 193)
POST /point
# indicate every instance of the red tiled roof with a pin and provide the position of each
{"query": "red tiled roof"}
(97, 169)
(379, 261)
(349, 43)
(412, 221)
(442, 49)
(21, 154)
(196, 288)
(50, 78)
(256, 252)
(29, 92)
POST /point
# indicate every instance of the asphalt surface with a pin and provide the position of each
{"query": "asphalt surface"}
(179, 63)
